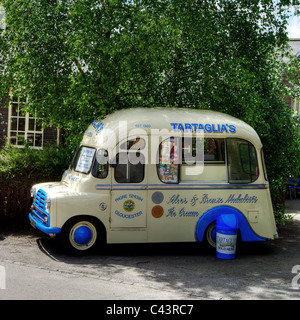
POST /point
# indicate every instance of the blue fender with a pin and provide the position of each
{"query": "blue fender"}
(247, 234)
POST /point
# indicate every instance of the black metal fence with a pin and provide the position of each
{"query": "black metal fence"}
(15, 205)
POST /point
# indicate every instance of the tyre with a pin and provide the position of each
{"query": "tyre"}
(81, 235)
(210, 235)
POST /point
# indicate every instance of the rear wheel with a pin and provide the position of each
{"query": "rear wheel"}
(210, 235)
(81, 235)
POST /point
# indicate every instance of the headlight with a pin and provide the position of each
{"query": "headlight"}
(33, 192)
(48, 203)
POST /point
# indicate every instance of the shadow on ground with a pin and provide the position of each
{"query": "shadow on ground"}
(259, 271)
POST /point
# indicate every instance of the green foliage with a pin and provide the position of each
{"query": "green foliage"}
(77, 60)
(27, 166)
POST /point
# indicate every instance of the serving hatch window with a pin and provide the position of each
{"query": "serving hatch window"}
(180, 157)
(196, 150)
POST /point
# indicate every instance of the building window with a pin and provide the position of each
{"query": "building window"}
(296, 105)
(23, 126)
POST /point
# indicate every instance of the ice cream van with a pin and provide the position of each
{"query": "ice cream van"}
(158, 175)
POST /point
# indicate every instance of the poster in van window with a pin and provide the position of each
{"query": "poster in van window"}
(85, 160)
(168, 173)
(168, 169)
(169, 151)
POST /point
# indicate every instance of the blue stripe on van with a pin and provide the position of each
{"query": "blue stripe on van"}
(128, 186)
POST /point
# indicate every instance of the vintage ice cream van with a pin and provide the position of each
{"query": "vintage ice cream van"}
(158, 175)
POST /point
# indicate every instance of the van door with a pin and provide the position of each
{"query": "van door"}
(129, 194)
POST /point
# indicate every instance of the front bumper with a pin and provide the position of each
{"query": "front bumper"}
(39, 225)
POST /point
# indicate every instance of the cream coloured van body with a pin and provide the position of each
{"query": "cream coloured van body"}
(136, 178)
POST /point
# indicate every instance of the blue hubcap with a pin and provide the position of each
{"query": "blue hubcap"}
(82, 235)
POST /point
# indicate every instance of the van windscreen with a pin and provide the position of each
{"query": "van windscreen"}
(84, 159)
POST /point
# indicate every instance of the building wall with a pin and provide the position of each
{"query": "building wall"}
(295, 46)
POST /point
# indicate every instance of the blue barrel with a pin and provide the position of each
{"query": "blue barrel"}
(226, 235)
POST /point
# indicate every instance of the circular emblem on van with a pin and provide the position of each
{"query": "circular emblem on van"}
(157, 211)
(102, 206)
(128, 205)
(157, 197)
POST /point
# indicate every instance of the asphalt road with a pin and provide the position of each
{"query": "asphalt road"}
(34, 267)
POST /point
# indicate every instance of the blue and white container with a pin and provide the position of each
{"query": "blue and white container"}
(226, 235)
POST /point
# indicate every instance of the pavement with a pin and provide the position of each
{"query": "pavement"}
(292, 207)
(36, 268)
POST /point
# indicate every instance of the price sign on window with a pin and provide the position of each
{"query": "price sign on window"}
(85, 160)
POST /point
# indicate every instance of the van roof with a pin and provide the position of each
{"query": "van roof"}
(177, 120)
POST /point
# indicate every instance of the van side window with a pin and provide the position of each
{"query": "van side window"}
(100, 167)
(133, 144)
(130, 167)
(168, 167)
(242, 161)
(264, 164)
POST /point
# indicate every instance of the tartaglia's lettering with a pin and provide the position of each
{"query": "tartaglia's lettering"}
(197, 127)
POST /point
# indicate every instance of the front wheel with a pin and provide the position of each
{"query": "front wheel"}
(81, 235)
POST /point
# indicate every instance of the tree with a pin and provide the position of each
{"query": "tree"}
(76, 60)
